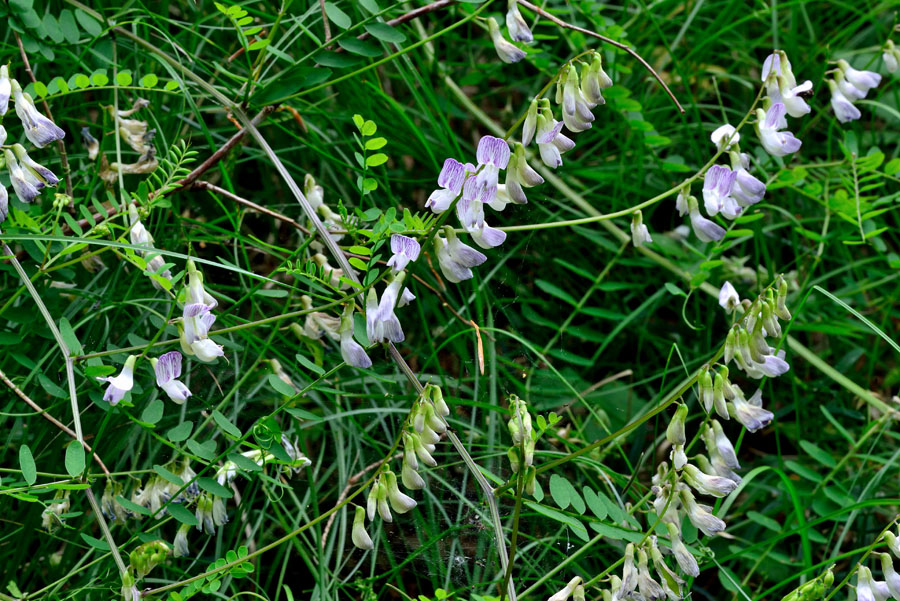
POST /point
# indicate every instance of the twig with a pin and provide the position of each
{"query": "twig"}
(603, 38)
(416, 12)
(325, 23)
(353, 480)
(63, 157)
(51, 419)
(249, 203)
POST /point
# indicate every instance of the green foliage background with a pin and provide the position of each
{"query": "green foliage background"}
(559, 311)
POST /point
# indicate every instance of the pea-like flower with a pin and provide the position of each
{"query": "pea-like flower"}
(565, 592)
(506, 50)
(351, 351)
(519, 175)
(470, 211)
(180, 544)
(210, 512)
(701, 515)
(358, 535)
(676, 437)
(314, 192)
(861, 80)
(640, 235)
(649, 589)
(26, 186)
(747, 189)
(405, 249)
(843, 107)
(576, 111)
(704, 229)
(768, 127)
(728, 298)
(725, 137)
(120, 384)
(890, 56)
(518, 29)
(39, 130)
(749, 412)
(551, 141)
(168, 369)
(450, 180)
(594, 80)
(493, 155)
(715, 486)
(717, 186)
(792, 96)
(400, 502)
(455, 258)
(685, 560)
(5, 89)
(381, 325)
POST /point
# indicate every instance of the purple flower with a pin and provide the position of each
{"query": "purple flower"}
(168, 370)
(506, 50)
(861, 80)
(792, 97)
(470, 210)
(717, 186)
(575, 108)
(38, 129)
(518, 29)
(24, 183)
(451, 179)
(493, 155)
(843, 107)
(405, 249)
(725, 136)
(120, 384)
(455, 258)
(769, 123)
(47, 177)
(5, 89)
(552, 143)
(747, 189)
(351, 351)
(381, 326)
(705, 229)
(519, 175)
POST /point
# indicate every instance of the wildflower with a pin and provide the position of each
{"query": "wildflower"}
(410, 477)
(861, 80)
(749, 412)
(728, 298)
(640, 235)
(683, 557)
(715, 486)
(843, 107)
(530, 123)
(26, 186)
(747, 189)
(676, 437)
(890, 575)
(769, 123)
(421, 450)
(576, 111)
(506, 50)
(351, 351)
(518, 29)
(551, 143)
(197, 319)
(700, 515)
(90, 143)
(130, 592)
(891, 58)
(670, 581)
(141, 237)
(147, 556)
(470, 211)
(519, 424)
(717, 185)
(39, 130)
(359, 535)
(207, 351)
(629, 574)
(314, 192)
(781, 310)
(703, 228)
(333, 222)
(210, 512)
(893, 543)
(405, 249)
(33, 168)
(455, 258)
(724, 446)
(180, 544)
(493, 155)
(380, 329)
(5, 89)
(792, 96)
(377, 500)
(594, 80)
(451, 179)
(109, 507)
(518, 175)
(864, 585)
(51, 518)
(196, 292)
(400, 502)
(650, 589)
(168, 369)
(119, 385)
(681, 202)
(566, 591)
(317, 323)
(718, 395)
(725, 137)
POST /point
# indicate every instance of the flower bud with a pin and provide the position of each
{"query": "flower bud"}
(629, 574)
(436, 395)
(649, 588)
(676, 437)
(148, 556)
(518, 28)
(564, 593)
(683, 557)
(640, 235)
(715, 486)
(700, 515)
(5, 89)
(411, 478)
(780, 297)
(726, 450)
(706, 389)
(180, 545)
(359, 535)
(506, 50)
(515, 462)
(730, 344)
(528, 128)
(400, 502)
(719, 396)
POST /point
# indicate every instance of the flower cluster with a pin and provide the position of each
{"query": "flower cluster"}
(27, 176)
(420, 436)
(381, 321)
(197, 318)
(521, 454)
(870, 589)
(847, 86)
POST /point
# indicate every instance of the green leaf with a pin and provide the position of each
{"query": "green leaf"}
(246, 464)
(560, 490)
(555, 291)
(214, 488)
(359, 122)
(225, 424)
(82, 81)
(132, 507)
(738, 233)
(68, 26)
(99, 78)
(337, 16)
(40, 89)
(369, 128)
(358, 263)
(334, 60)
(150, 80)
(181, 432)
(96, 543)
(818, 453)
(26, 463)
(74, 459)
(310, 365)
(153, 412)
(674, 290)
(765, 522)
(376, 159)
(205, 450)
(594, 503)
(124, 78)
(168, 476)
(182, 514)
(371, 6)
(892, 167)
(360, 47)
(385, 33)
(375, 143)
(280, 385)
(303, 414)
(88, 23)
(576, 526)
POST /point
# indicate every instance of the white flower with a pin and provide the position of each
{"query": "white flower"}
(649, 589)
(506, 50)
(519, 175)
(683, 557)
(314, 192)
(518, 29)
(594, 80)
(180, 544)
(450, 180)
(168, 370)
(470, 211)
(120, 384)
(749, 412)
(196, 292)
(551, 142)
(576, 111)
(39, 130)
(717, 185)
(681, 202)
(359, 535)
(206, 350)
(210, 512)
(769, 123)
(891, 58)
(455, 258)
(405, 249)
(715, 486)
(861, 80)
(843, 108)
(864, 585)
(400, 502)
(700, 515)
(564, 593)
(5, 89)
(725, 137)
(777, 64)
(728, 298)
(351, 351)
(792, 97)
(724, 446)
(528, 127)
(640, 235)
(703, 228)
(26, 186)
(381, 323)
